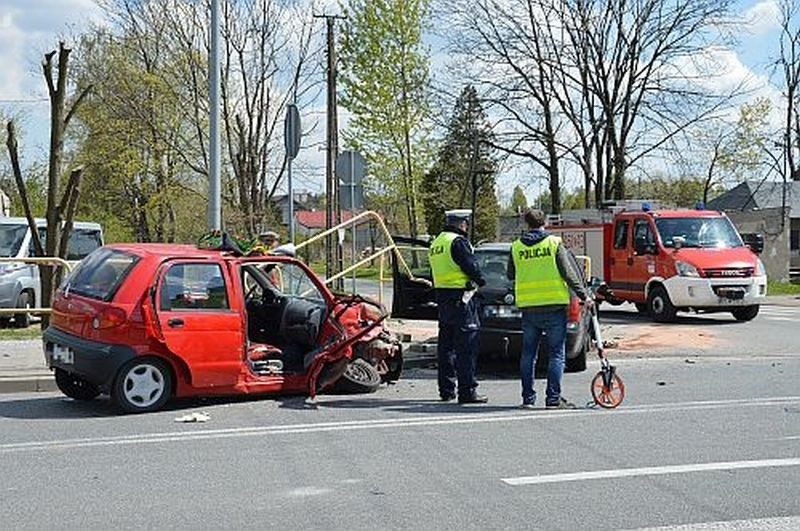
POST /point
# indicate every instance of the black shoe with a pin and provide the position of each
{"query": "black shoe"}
(561, 404)
(473, 399)
(447, 398)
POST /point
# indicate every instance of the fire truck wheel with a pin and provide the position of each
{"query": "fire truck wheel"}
(745, 313)
(659, 305)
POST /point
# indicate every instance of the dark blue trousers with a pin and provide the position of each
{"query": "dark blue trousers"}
(457, 347)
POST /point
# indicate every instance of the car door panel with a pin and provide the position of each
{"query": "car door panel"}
(197, 328)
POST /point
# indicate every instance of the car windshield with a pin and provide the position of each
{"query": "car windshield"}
(493, 265)
(715, 232)
(11, 237)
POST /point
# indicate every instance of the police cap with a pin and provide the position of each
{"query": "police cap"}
(453, 217)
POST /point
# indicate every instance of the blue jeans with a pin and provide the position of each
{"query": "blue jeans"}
(554, 324)
(457, 348)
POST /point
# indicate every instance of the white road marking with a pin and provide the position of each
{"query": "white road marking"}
(398, 423)
(650, 471)
(787, 523)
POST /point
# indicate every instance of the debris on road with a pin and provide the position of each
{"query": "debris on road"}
(201, 416)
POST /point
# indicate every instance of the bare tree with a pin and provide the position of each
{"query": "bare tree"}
(603, 83)
(266, 63)
(61, 199)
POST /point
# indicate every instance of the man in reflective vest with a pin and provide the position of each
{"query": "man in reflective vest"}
(455, 277)
(543, 271)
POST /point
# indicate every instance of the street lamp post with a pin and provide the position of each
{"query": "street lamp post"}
(214, 215)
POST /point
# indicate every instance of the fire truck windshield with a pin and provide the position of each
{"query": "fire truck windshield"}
(716, 232)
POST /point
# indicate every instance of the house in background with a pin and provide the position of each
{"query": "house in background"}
(311, 222)
(302, 201)
(757, 206)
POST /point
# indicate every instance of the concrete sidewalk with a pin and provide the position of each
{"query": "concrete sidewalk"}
(23, 369)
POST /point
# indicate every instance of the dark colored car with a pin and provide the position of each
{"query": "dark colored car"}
(146, 322)
(501, 321)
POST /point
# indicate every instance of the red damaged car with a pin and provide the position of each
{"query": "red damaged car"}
(147, 322)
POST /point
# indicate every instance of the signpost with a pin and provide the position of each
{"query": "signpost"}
(291, 141)
(350, 169)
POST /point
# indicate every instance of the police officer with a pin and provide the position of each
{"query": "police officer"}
(455, 277)
(543, 271)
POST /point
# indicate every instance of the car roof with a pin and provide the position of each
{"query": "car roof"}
(494, 246)
(165, 251)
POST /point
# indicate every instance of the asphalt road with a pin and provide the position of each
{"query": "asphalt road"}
(716, 440)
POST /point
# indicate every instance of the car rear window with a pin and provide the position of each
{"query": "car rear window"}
(100, 274)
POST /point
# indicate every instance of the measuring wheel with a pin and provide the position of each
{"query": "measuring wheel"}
(608, 390)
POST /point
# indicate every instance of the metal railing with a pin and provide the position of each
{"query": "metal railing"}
(37, 260)
(390, 247)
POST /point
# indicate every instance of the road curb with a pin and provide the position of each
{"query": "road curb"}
(29, 383)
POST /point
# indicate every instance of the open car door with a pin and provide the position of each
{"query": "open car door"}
(411, 298)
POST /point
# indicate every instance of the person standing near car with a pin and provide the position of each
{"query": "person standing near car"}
(456, 276)
(543, 271)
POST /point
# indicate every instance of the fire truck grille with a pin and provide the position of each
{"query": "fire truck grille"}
(730, 272)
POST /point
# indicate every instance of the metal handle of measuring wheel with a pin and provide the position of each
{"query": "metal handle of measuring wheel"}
(597, 335)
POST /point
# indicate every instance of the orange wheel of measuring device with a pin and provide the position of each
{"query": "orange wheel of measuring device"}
(607, 397)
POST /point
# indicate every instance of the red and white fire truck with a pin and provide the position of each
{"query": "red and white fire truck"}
(666, 261)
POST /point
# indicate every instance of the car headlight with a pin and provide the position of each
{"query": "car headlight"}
(686, 269)
(760, 269)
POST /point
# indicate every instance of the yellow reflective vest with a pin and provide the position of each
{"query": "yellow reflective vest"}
(537, 280)
(446, 273)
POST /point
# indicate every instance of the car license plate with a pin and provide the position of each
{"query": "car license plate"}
(63, 354)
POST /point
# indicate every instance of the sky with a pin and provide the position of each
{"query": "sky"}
(30, 28)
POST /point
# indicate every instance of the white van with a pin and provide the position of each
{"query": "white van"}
(19, 282)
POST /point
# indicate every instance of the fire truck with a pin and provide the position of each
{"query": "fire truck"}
(666, 261)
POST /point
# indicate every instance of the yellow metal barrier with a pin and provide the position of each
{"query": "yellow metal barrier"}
(390, 247)
(587, 266)
(37, 260)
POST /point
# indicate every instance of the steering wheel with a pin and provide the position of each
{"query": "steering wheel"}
(250, 293)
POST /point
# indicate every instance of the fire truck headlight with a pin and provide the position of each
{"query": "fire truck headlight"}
(686, 270)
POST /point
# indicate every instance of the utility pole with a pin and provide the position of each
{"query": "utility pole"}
(214, 202)
(331, 186)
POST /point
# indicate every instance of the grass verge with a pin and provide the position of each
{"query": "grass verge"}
(32, 332)
(782, 288)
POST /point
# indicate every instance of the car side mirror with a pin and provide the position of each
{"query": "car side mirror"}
(678, 242)
(753, 240)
